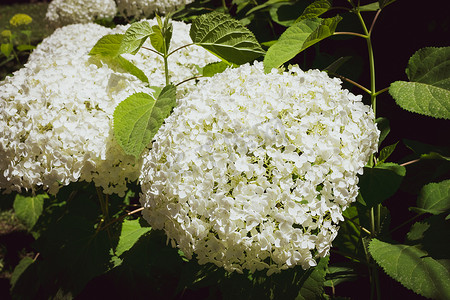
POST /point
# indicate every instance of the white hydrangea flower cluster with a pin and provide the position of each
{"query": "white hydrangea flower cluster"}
(65, 12)
(253, 170)
(56, 112)
(145, 8)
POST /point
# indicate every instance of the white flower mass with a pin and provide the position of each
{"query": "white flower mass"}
(56, 112)
(253, 171)
(64, 12)
(146, 8)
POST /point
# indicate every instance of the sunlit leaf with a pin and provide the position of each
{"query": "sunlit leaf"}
(138, 118)
(315, 9)
(428, 91)
(413, 268)
(434, 198)
(135, 37)
(370, 7)
(213, 68)
(297, 38)
(157, 39)
(109, 48)
(225, 37)
(28, 209)
(132, 69)
(131, 232)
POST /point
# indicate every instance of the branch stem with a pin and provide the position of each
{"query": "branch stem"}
(350, 33)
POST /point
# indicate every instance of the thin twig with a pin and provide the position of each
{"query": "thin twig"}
(36, 256)
(179, 49)
(150, 49)
(410, 162)
(381, 91)
(350, 33)
(374, 20)
(123, 217)
(352, 82)
(191, 78)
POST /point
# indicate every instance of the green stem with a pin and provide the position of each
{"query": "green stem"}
(352, 82)
(187, 45)
(372, 222)
(350, 33)
(375, 284)
(166, 69)
(381, 91)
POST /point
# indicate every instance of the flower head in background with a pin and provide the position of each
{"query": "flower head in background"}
(6, 33)
(20, 19)
(64, 12)
(252, 170)
(145, 8)
(56, 112)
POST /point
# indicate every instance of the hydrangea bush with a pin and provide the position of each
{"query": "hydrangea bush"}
(64, 12)
(145, 8)
(56, 112)
(253, 170)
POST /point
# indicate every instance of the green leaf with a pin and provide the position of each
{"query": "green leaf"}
(384, 3)
(384, 127)
(265, 5)
(131, 232)
(425, 151)
(157, 39)
(19, 269)
(75, 250)
(428, 91)
(312, 288)
(226, 38)
(315, 9)
(434, 198)
(413, 268)
(349, 239)
(334, 66)
(385, 153)
(28, 209)
(381, 182)
(138, 118)
(213, 68)
(26, 47)
(108, 46)
(130, 68)
(297, 38)
(417, 231)
(339, 274)
(135, 37)
(370, 7)
(6, 49)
